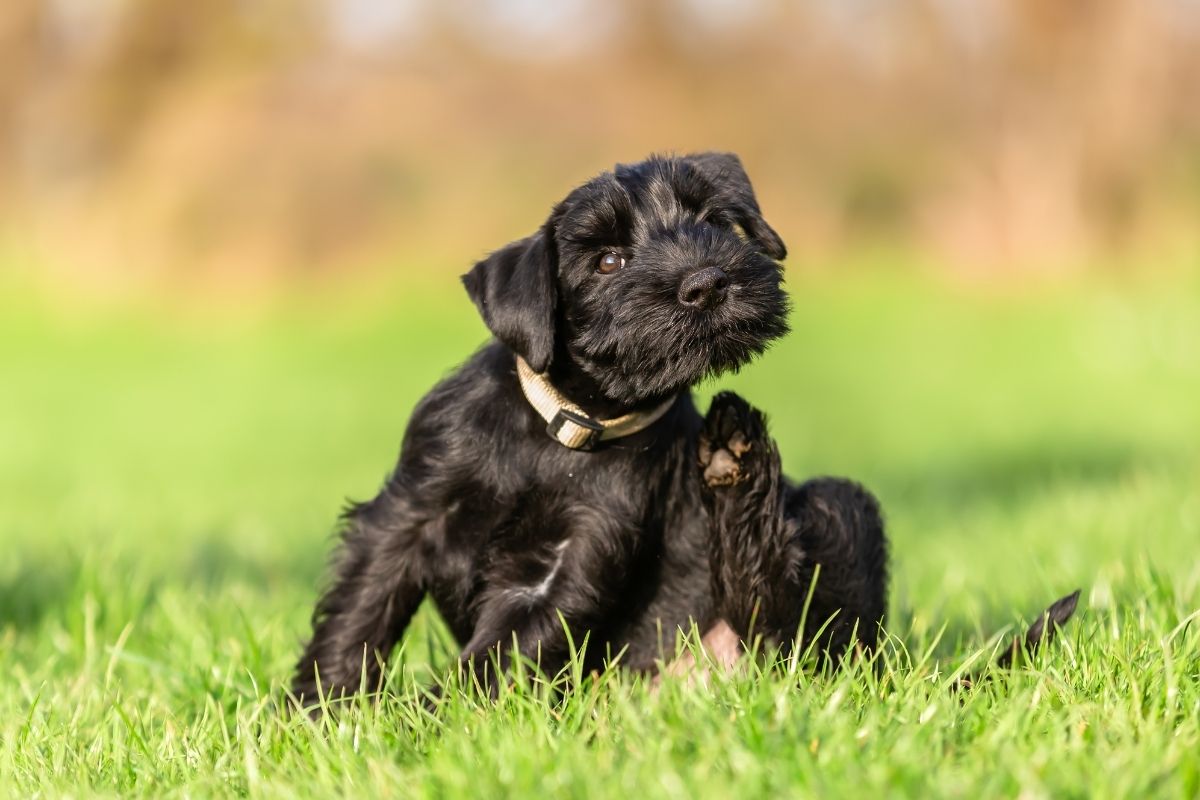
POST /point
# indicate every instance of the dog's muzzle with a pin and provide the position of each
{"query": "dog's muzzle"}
(568, 424)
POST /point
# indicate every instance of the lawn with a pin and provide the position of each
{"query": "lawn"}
(169, 481)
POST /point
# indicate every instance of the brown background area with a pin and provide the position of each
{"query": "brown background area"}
(159, 144)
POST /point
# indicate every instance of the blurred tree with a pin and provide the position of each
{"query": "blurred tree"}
(277, 136)
(163, 47)
(20, 24)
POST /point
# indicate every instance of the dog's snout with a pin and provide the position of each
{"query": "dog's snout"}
(704, 288)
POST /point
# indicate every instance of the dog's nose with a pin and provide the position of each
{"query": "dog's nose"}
(704, 288)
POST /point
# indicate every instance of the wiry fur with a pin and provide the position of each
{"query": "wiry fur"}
(771, 537)
(506, 529)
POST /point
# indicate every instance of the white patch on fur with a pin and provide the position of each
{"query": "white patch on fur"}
(542, 588)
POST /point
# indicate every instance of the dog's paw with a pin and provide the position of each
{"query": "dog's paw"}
(733, 437)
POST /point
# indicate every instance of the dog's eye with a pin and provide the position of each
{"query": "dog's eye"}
(610, 262)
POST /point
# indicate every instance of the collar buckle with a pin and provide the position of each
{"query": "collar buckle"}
(574, 430)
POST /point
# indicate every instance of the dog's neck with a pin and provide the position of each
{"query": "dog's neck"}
(569, 378)
(579, 427)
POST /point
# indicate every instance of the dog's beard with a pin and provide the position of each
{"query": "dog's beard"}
(650, 346)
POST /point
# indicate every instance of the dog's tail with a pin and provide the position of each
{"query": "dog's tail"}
(1039, 634)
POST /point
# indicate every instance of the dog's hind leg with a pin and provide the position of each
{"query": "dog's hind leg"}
(360, 617)
(770, 541)
(844, 568)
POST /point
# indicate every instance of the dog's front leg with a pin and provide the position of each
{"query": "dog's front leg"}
(378, 586)
(507, 631)
(539, 615)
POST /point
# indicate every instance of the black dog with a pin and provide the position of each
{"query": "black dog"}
(565, 470)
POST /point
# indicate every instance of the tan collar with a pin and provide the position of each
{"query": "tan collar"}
(569, 424)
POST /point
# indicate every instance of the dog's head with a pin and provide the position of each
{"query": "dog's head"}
(647, 279)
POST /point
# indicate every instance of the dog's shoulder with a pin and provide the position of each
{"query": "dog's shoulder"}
(483, 383)
(471, 410)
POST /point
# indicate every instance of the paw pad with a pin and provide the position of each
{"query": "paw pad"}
(729, 433)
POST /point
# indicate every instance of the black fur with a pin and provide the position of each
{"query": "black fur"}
(506, 529)
(771, 538)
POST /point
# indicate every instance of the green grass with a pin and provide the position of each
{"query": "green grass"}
(168, 487)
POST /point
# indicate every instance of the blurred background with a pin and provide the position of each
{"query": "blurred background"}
(230, 235)
(240, 146)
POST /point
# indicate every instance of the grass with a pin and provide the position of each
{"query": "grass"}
(167, 488)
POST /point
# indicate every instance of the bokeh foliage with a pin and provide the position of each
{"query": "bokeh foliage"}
(161, 143)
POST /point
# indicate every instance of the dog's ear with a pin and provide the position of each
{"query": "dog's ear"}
(514, 290)
(727, 175)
